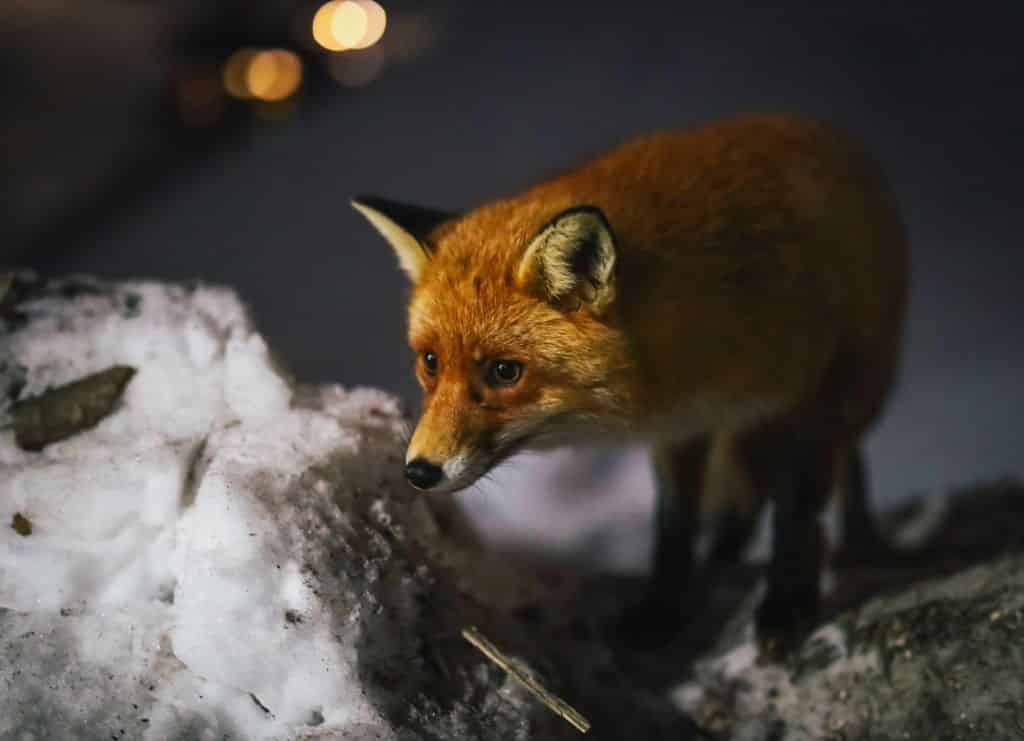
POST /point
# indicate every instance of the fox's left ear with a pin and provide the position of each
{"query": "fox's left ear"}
(571, 260)
(405, 227)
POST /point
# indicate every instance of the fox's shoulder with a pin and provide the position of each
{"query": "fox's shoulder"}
(639, 178)
(742, 179)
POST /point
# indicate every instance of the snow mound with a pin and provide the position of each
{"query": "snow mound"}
(226, 555)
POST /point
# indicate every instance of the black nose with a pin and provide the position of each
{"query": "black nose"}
(422, 473)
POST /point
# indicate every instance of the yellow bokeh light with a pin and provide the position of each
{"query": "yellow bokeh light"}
(323, 31)
(349, 23)
(341, 25)
(273, 75)
(270, 74)
(236, 71)
(376, 22)
(261, 74)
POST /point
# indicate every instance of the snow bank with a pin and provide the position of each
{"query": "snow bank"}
(226, 555)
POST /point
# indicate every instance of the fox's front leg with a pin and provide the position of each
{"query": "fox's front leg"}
(679, 480)
(797, 474)
(862, 539)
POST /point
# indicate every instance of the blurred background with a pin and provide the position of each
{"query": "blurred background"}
(222, 140)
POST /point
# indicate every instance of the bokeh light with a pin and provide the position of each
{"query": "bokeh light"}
(323, 27)
(269, 74)
(274, 75)
(349, 23)
(342, 25)
(376, 22)
(236, 73)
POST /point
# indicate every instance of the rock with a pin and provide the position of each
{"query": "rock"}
(941, 659)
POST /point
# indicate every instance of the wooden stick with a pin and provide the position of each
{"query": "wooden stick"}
(555, 703)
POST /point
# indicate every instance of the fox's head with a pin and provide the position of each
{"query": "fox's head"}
(512, 322)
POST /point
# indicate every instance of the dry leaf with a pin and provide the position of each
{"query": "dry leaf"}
(21, 524)
(63, 411)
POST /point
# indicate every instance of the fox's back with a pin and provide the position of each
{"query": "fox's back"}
(760, 262)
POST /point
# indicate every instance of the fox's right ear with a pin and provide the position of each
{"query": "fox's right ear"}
(571, 261)
(405, 227)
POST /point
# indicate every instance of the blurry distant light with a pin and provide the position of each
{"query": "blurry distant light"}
(323, 27)
(349, 23)
(236, 71)
(341, 25)
(273, 75)
(268, 75)
(376, 22)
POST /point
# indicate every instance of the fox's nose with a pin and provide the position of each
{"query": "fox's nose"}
(422, 473)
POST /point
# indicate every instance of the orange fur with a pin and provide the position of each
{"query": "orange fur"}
(759, 272)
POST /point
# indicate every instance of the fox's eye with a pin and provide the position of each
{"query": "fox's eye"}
(504, 372)
(430, 362)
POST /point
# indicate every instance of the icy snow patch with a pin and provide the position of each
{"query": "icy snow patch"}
(170, 587)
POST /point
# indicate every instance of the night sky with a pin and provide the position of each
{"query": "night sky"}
(510, 92)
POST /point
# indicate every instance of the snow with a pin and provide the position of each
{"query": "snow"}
(589, 506)
(222, 556)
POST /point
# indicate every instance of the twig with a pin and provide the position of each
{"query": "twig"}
(555, 703)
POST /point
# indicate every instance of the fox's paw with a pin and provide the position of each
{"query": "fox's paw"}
(783, 620)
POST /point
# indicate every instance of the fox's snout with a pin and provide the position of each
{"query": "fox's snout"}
(442, 453)
(423, 474)
(447, 475)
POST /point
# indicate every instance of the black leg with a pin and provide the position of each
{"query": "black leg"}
(862, 540)
(793, 591)
(679, 479)
(733, 533)
(737, 505)
(798, 477)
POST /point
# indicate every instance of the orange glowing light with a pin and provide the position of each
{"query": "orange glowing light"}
(323, 27)
(268, 74)
(349, 23)
(273, 75)
(376, 22)
(236, 73)
(341, 25)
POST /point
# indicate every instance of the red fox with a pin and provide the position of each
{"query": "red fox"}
(738, 284)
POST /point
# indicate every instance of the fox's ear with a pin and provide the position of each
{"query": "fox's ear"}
(571, 260)
(405, 227)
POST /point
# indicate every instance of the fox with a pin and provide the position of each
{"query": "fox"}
(734, 290)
